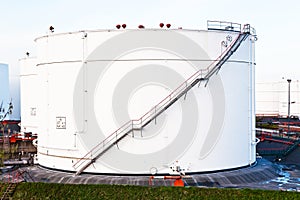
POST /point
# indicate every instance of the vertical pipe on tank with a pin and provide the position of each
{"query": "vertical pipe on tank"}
(252, 124)
(84, 89)
(249, 103)
(47, 91)
(85, 84)
(253, 101)
(289, 104)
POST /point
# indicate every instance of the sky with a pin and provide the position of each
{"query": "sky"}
(277, 24)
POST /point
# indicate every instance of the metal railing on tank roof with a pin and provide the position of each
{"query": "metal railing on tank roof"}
(224, 26)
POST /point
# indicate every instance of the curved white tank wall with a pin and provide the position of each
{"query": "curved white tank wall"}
(30, 95)
(93, 82)
(4, 90)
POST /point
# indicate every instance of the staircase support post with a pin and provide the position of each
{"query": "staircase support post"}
(155, 115)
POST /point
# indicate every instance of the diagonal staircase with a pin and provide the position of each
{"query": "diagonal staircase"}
(291, 148)
(152, 114)
(10, 189)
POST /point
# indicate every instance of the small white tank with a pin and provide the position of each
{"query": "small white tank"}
(30, 95)
(4, 91)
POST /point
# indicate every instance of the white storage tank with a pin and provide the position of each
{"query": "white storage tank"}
(4, 91)
(30, 95)
(110, 100)
(272, 98)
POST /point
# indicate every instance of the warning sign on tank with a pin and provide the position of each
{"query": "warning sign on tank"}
(60, 122)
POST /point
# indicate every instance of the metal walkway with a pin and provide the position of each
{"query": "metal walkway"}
(281, 152)
(139, 124)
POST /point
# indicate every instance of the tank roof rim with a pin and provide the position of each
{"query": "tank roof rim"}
(123, 30)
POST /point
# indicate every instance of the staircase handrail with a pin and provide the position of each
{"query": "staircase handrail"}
(184, 85)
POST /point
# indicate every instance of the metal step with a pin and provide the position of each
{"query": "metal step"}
(9, 191)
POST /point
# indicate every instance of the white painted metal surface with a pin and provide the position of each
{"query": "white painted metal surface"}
(92, 82)
(272, 98)
(30, 95)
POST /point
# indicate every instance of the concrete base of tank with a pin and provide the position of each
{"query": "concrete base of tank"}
(263, 175)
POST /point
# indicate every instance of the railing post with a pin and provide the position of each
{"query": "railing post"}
(141, 127)
(185, 91)
(155, 115)
(132, 128)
